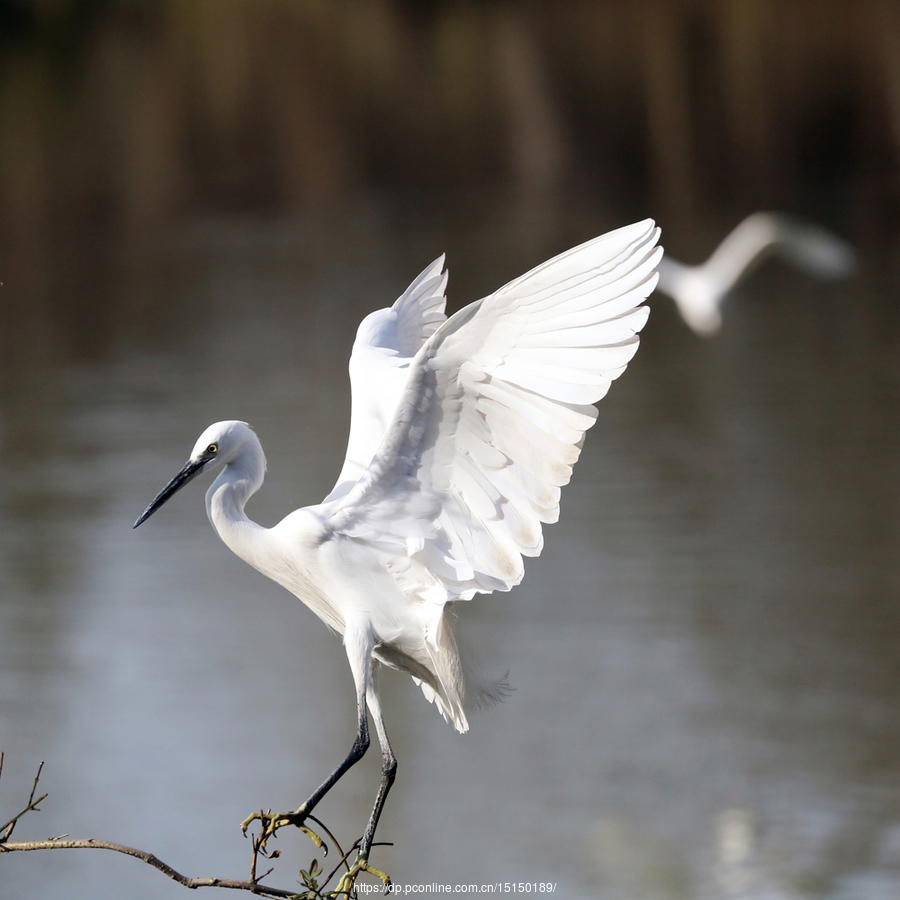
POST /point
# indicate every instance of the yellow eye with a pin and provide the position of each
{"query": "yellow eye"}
(212, 448)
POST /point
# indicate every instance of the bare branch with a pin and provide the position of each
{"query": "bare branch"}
(253, 886)
(7, 828)
(314, 886)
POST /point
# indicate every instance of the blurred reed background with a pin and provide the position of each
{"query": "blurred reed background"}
(129, 113)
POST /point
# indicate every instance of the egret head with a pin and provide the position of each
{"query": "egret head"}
(219, 445)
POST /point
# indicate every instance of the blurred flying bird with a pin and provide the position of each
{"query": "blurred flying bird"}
(698, 291)
(462, 431)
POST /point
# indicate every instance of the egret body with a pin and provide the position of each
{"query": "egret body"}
(463, 430)
(698, 291)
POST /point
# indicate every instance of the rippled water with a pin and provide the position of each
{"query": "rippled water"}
(705, 658)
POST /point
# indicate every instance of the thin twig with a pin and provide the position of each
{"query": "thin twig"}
(346, 856)
(343, 856)
(257, 845)
(37, 778)
(253, 857)
(341, 862)
(150, 859)
(7, 829)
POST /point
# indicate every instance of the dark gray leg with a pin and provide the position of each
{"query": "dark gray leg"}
(358, 642)
(388, 766)
(388, 773)
(357, 751)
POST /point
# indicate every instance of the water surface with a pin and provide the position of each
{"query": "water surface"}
(705, 658)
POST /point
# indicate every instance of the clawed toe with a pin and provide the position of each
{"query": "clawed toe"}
(347, 882)
(270, 822)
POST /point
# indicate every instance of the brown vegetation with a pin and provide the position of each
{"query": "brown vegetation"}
(133, 111)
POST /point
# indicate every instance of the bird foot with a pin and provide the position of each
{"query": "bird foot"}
(270, 823)
(348, 880)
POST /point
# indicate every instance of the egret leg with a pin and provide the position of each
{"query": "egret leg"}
(388, 774)
(358, 643)
(388, 764)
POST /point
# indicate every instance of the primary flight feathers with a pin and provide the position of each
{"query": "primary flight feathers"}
(491, 414)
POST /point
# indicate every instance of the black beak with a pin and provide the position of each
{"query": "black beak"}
(191, 469)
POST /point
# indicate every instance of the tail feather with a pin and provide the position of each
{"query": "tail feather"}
(449, 691)
(447, 678)
(460, 687)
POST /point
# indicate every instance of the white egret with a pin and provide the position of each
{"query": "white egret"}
(698, 291)
(462, 431)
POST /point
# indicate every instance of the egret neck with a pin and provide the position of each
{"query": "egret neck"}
(241, 478)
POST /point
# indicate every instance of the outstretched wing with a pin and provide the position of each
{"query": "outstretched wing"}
(493, 417)
(743, 249)
(815, 250)
(807, 246)
(386, 341)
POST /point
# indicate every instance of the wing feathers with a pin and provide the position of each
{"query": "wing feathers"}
(584, 372)
(582, 318)
(604, 253)
(564, 421)
(510, 431)
(594, 290)
(612, 331)
(495, 410)
(420, 309)
(610, 355)
(385, 343)
(563, 391)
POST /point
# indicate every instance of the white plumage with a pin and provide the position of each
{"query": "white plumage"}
(386, 341)
(698, 291)
(463, 431)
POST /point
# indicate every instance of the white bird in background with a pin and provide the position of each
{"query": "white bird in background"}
(698, 291)
(462, 431)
